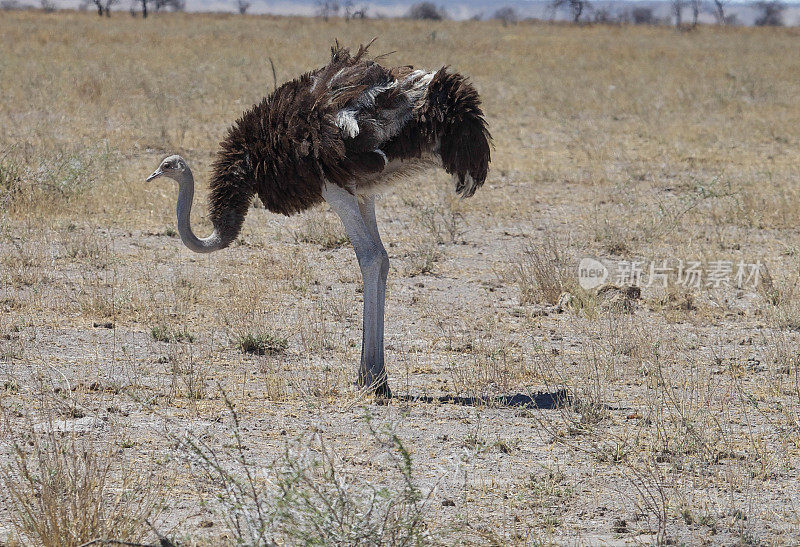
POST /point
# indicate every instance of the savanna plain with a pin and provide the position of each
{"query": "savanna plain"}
(150, 394)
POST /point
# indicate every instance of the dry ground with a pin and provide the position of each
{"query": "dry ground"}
(118, 346)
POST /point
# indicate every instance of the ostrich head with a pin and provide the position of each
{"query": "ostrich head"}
(173, 167)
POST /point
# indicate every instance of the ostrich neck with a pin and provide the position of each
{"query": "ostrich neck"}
(208, 244)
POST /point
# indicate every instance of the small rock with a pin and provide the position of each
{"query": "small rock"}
(565, 302)
(620, 526)
(620, 299)
(447, 502)
(103, 325)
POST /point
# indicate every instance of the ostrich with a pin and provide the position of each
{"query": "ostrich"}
(341, 134)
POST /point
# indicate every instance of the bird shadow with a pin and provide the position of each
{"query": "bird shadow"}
(542, 400)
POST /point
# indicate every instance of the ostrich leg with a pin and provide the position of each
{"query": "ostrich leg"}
(367, 208)
(359, 222)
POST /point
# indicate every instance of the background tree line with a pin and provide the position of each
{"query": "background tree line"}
(682, 13)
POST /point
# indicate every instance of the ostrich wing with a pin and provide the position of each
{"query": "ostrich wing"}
(375, 107)
(374, 110)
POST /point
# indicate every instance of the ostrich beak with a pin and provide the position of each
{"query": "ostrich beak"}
(157, 173)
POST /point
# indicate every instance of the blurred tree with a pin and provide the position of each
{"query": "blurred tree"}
(327, 8)
(427, 10)
(719, 11)
(174, 5)
(771, 13)
(242, 6)
(507, 15)
(604, 15)
(677, 11)
(350, 11)
(576, 7)
(643, 16)
(157, 5)
(103, 6)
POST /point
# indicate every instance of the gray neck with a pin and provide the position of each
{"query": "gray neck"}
(184, 210)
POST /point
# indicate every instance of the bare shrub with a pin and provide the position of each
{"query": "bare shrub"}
(307, 498)
(542, 273)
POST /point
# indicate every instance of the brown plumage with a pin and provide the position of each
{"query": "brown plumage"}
(338, 123)
(336, 134)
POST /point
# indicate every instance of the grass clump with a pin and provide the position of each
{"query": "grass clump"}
(165, 333)
(320, 229)
(56, 178)
(261, 343)
(10, 177)
(64, 493)
(542, 273)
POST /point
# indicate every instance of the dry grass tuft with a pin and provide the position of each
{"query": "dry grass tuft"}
(321, 228)
(66, 492)
(543, 273)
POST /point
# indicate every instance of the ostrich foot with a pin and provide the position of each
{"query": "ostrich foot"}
(382, 390)
(379, 385)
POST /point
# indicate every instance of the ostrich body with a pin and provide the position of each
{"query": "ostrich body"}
(340, 134)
